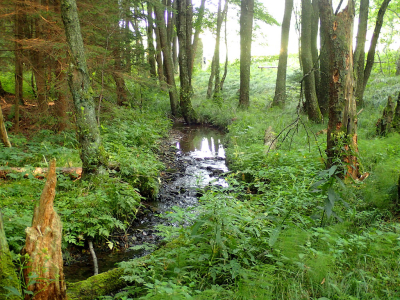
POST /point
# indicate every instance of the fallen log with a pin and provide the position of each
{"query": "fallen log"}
(74, 173)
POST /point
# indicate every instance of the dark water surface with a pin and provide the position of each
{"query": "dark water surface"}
(198, 160)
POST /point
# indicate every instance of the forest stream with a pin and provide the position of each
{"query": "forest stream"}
(194, 157)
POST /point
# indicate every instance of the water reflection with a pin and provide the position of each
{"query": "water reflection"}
(204, 148)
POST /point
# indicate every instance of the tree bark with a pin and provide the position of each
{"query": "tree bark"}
(8, 276)
(359, 53)
(342, 126)
(159, 60)
(280, 87)
(18, 62)
(385, 123)
(372, 47)
(246, 30)
(311, 104)
(3, 131)
(92, 152)
(184, 24)
(169, 68)
(43, 245)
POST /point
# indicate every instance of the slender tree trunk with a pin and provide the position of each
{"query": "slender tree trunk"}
(150, 40)
(166, 49)
(312, 106)
(217, 86)
(8, 276)
(323, 99)
(92, 152)
(398, 64)
(19, 18)
(45, 233)
(211, 79)
(359, 53)
(372, 48)
(197, 27)
(226, 49)
(61, 104)
(184, 31)
(314, 47)
(342, 126)
(280, 87)
(246, 30)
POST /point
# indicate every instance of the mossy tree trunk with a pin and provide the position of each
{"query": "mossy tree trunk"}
(310, 92)
(43, 245)
(8, 276)
(280, 88)
(246, 31)
(184, 24)
(92, 152)
(167, 55)
(342, 126)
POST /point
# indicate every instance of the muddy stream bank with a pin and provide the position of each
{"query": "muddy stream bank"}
(194, 157)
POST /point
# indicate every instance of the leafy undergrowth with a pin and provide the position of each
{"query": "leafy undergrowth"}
(92, 209)
(285, 228)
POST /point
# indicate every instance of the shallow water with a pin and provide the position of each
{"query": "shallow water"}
(200, 161)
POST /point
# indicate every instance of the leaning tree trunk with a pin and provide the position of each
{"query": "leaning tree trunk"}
(314, 49)
(168, 65)
(211, 79)
(43, 245)
(312, 106)
(8, 277)
(3, 131)
(280, 87)
(372, 48)
(246, 30)
(198, 29)
(92, 152)
(342, 126)
(226, 48)
(359, 53)
(184, 32)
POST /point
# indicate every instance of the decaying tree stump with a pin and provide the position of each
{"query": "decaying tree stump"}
(43, 244)
(385, 124)
(3, 131)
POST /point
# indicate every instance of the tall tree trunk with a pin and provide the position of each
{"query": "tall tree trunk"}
(217, 86)
(169, 68)
(372, 47)
(92, 152)
(323, 97)
(342, 126)
(197, 27)
(3, 131)
(314, 47)
(280, 87)
(8, 276)
(19, 18)
(246, 30)
(61, 104)
(184, 24)
(398, 64)
(312, 105)
(45, 233)
(150, 40)
(359, 53)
